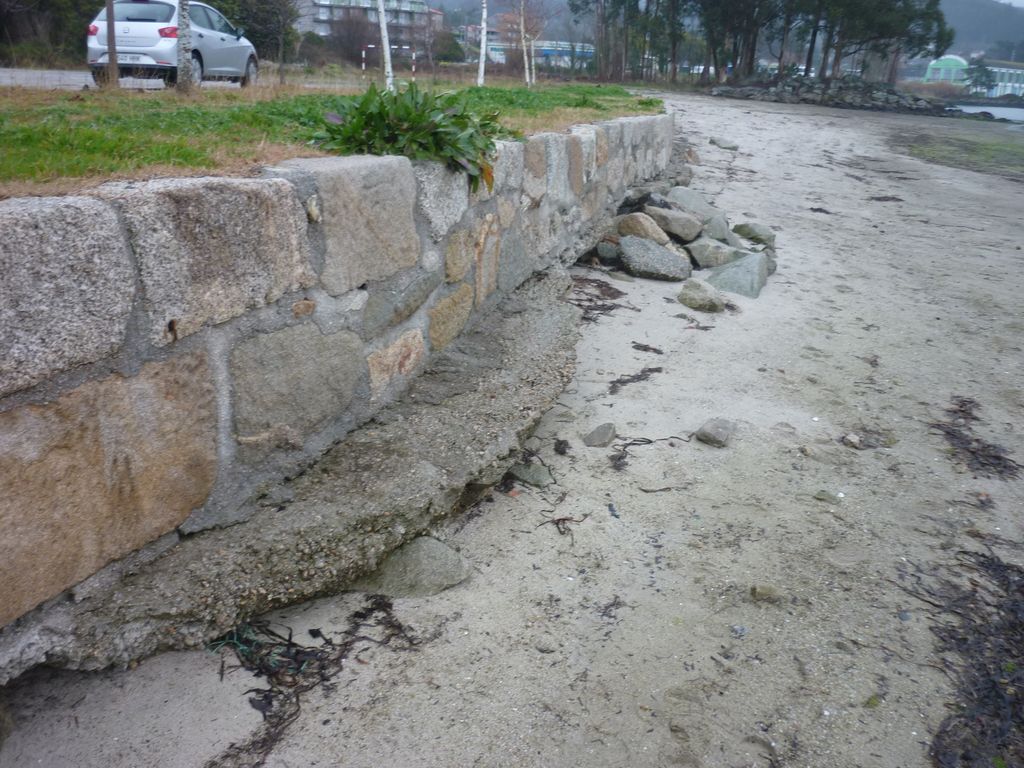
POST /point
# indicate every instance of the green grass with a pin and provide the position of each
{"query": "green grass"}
(986, 148)
(50, 137)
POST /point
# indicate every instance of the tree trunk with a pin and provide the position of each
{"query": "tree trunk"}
(112, 69)
(673, 36)
(813, 41)
(837, 60)
(385, 44)
(533, 63)
(826, 50)
(184, 81)
(787, 22)
(522, 42)
(483, 42)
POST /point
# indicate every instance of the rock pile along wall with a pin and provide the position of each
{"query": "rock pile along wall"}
(170, 349)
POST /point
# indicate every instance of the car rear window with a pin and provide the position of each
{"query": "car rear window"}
(140, 11)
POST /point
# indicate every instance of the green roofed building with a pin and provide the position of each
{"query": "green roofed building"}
(1009, 75)
(948, 69)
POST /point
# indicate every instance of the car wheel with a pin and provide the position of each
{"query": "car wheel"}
(197, 69)
(252, 74)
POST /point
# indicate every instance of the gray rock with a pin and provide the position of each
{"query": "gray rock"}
(270, 399)
(717, 228)
(710, 253)
(601, 436)
(758, 233)
(684, 176)
(692, 201)
(421, 568)
(697, 294)
(442, 196)
(746, 276)
(773, 264)
(67, 285)
(608, 252)
(683, 225)
(397, 299)
(536, 475)
(643, 258)
(211, 249)
(724, 143)
(716, 432)
(367, 205)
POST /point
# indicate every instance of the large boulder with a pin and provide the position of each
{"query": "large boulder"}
(710, 253)
(642, 225)
(683, 225)
(746, 276)
(698, 295)
(758, 233)
(644, 258)
(718, 229)
(692, 201)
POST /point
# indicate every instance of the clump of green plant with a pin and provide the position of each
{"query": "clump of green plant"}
(419, 125)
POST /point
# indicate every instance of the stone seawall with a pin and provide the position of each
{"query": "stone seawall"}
(171, 349)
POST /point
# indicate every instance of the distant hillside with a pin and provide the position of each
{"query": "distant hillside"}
(980, 23)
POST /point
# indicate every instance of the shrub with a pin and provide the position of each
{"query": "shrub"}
(419, 125)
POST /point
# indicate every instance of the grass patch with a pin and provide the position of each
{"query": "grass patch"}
(59, 141)
(988, 148)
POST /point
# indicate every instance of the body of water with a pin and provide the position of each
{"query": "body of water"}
(1007, 113)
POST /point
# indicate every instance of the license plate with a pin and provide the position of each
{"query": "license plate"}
(128, 58)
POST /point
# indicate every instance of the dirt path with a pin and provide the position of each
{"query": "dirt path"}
(700, 606)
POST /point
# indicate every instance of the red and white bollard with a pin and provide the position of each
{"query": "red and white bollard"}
(414, 66)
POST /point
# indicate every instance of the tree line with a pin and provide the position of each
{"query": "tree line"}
(648, 39)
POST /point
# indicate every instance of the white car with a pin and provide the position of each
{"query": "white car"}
(147, 43)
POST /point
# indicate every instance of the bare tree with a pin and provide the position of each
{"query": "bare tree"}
(184, 80)
(389, 74)
(483, 44)
(112, 70)
(522, 42)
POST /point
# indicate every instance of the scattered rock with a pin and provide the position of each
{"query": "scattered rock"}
(536, 475)
(675, 222)
(692, 201)
(848, 92)
(709, 253)
(684, 176)
(828, 497)
(746, 276)
(601, 437)
(853, 441)
(723, 143)
(716, 432)
(758, 233)
(697, 294)
(764, 593)
(642, 225)
(718, 229)
(644, 258)
(423, 567)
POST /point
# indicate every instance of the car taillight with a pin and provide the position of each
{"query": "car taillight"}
(167, 31)
(93, 30)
